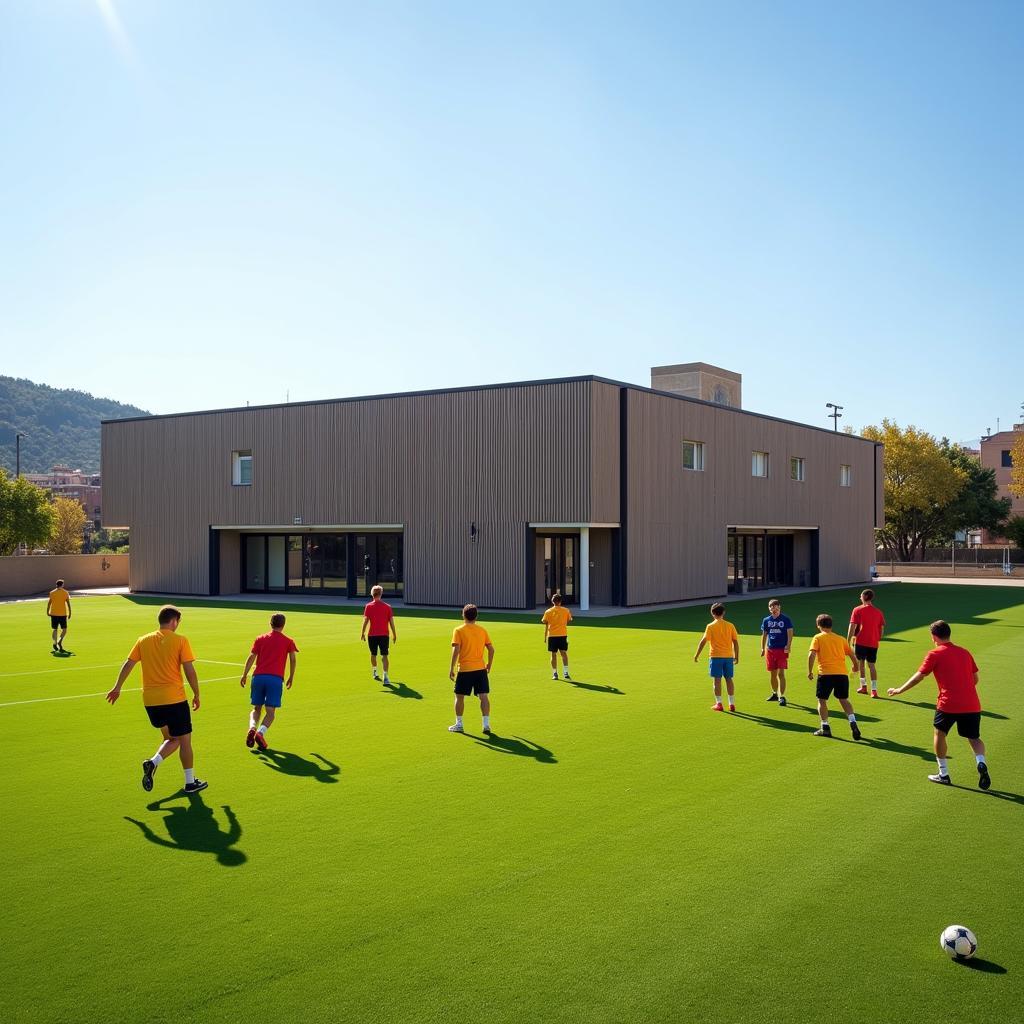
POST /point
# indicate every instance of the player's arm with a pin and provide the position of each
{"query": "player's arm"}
(789, 639)
(126, 671)
(362, 632)
(69, 606)
(247, 669)
(911, 682)
(735, 650)
(700, 647)
(455, 658)
(490, 655)
(291, 669)
(811, 655)
(764, 640)
(193, 681)
(48, 603)
(852, 632)
(394, 633)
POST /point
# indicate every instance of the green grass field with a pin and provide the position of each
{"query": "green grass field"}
(616, 852)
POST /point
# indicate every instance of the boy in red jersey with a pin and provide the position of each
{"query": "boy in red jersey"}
(270, 651)
(957, 676)
(867, 624)
(379, 617)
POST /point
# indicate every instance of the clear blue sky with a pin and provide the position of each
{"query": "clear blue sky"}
(207, 203)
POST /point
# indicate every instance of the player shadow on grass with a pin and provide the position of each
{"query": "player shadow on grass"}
(287, 763)
(595, 688)
(62, 654)
(931, 707)
(833, 713)
(401, 690)
(518, 746)
(195, 828)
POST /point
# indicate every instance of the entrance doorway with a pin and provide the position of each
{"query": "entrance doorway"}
(760, 559)
(561, 555)
(377, 561)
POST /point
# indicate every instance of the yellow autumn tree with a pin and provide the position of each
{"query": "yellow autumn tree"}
(1017, 472)
(68, 527)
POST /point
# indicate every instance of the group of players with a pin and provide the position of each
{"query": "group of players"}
(954, 669)
(165, 655)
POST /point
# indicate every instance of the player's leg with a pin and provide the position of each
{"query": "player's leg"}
(773, 678)
(565, 661)
(485, 711)
(782, 685)
(554, 660)
(169, 745)
(716, 683)
(192, 784)
(373, 663)
(874, 677)
(460, 706)
(825, 729)
(941, 751)
(63, 633)
(384, 662)
(269, 714)
(850, 716)
(969, 726)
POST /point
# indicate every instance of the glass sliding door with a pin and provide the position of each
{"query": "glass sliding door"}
(255, 562)
(335, 562)
(561, 559)
(276, 562)
(294, 563)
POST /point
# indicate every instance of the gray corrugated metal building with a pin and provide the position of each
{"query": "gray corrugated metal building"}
(613, 493)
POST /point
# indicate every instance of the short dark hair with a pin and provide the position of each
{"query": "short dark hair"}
(774, 600)
(470, 612)
(277, 621)
(556, 598)
(60, 583)
(867, 595)
(718, 608)
(168, 614)
(941, 630)
(824, 621)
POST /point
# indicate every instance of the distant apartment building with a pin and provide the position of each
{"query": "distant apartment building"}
(65, 482)
(997, 454)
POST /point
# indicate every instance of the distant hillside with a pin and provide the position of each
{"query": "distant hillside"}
(60, 426)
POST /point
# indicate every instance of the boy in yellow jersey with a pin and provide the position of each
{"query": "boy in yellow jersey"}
(58, 607)
(164, 655)
(556, 634)
(469, 641)
(725, 654)
(831, 652)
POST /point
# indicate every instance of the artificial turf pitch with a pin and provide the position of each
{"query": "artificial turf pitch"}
(615, 852)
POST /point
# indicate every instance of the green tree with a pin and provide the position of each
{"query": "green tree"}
(920, 482)
(68, 527)
(1013, 531)
(26, 514)
(977, 506)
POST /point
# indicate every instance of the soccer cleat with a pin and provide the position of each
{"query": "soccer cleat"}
(823, 731)
(55, 647)
(375, 676)
(195, 786)
(855, 730)
(732, 707)
(774, 696)
(862, 688)
(60, 646)
(782, 702)
(874, 695)
(148, 770)
(567, 676)
(717, 707)
(487, 730)
(250, 737)
(457, 727)
(260, 740)
(983, 777)
(554, 675)
(942, 780)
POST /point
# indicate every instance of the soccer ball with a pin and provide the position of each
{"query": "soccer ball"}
(958, 942)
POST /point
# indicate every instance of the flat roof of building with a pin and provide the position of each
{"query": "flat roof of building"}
(488, 387)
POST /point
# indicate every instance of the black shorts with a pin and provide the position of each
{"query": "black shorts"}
(177, 717)
(58, 622)
(468, 683)
(558, 643)
(868, 654)
(828, 685)
(379, 644)
(968, 723)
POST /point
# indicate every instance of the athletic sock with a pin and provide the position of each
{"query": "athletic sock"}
(190, 776)
(156, 759)
(824, 724)
(863, 681)
(852, 718)
(263, 729)
(487, 721)
(458, 719)
(980, 758)
(943, 765)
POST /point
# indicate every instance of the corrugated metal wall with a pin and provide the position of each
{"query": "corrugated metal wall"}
(678, 519)
(499, 457)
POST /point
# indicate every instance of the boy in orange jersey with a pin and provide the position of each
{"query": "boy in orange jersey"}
(831, 652)
(556, 634)
(165, 655)
(469, 641)
(725, 654)
(58, 607)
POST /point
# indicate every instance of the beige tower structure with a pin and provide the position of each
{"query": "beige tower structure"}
(700, 380)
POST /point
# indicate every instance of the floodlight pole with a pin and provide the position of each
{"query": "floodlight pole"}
(836, 414)
(17, 454)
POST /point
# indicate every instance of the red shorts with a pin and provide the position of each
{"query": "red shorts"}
(776, 658)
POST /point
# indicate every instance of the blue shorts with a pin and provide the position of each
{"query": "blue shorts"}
(266, 691)
(719, 667)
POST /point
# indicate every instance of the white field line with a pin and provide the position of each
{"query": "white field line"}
(102, 693)
(89, 668)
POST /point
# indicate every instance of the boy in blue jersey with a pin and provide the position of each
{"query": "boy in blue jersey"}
(776, 640)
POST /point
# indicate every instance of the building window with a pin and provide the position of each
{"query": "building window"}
(693, 455)
(844, 476)
(1007, 458)
(758, 463)
(241, 469)
(796, 468)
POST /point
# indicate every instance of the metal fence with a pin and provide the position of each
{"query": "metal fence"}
(965, 562)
